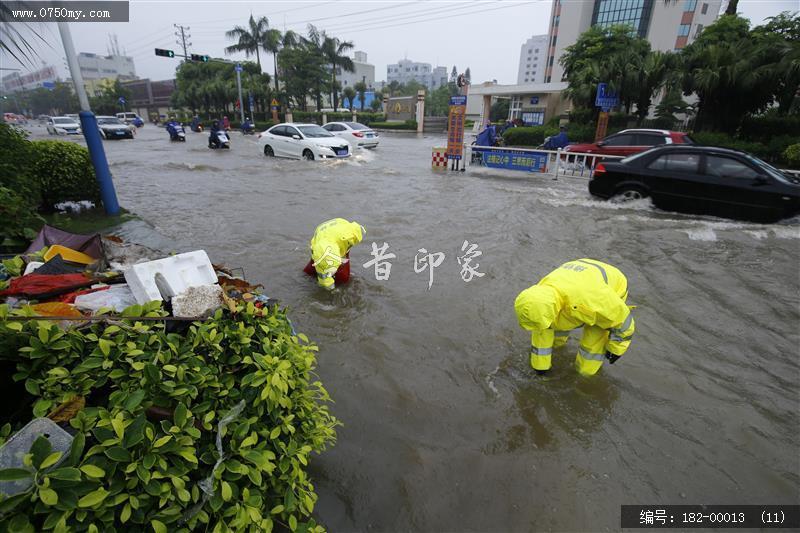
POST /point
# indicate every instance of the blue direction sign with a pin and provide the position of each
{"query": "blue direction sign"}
(49, 85)
(605, 99)
(534, 100)
(238, 67)
(458, 100)
(122, 100)
(252, 103)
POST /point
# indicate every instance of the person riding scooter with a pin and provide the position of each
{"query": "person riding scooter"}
(175, 130)
(217, 137)
(247, 127)
(557, 141)
(196, 125)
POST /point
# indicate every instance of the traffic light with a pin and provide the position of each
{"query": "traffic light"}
(165, 53)
(201, 58)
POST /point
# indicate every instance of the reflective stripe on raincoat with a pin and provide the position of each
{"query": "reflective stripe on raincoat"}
(331, 241)
(580, 292)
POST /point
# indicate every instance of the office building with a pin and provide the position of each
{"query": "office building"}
(667, 25)
(43, 77)
(406, 70)
(95, 69)
(532, 59)
(364, 71)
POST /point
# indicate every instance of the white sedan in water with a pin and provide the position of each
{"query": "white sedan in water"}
(355, 133)
(302, 141)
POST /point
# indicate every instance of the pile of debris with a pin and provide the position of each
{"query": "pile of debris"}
(71, 277)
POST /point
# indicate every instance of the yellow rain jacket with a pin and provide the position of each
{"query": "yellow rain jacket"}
(584, 292)
(330, 244)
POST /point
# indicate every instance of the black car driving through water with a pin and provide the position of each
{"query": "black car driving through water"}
(701, 179)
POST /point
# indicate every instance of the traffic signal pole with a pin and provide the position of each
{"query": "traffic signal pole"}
(238, 69)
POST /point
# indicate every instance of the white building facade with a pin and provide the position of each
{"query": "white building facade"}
(667, 26)
(532, 60)
(406, 70)
(364, 71)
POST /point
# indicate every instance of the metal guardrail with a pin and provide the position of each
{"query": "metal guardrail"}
(559, 162)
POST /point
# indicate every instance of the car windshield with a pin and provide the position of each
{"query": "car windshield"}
(314, 131)
(772, 171)
(63, 121)
(108, 120)
(356, 126)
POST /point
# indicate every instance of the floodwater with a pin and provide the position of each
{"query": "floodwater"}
(445, 427)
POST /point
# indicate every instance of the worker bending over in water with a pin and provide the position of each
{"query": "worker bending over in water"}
(584, 292)
(330, 251)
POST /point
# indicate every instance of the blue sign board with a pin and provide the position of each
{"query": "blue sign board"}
(534, 100)
(122, 100)
(252, 103)
(238, 67)
(369, 96)
(514, 159)
(49, 85)
(458, 100)
(605, 99)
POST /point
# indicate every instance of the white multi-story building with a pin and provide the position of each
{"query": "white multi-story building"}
(532, 59)
(96, 69)
(667, 25)
(406, 70)
(42, 77)
(364, 71)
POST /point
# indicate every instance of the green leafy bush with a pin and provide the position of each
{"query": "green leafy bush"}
(65, 173)
(208, 430)
(16, 158)
(527, 135)
(792, 155)
(765, 127)
(724, 140)
(307, 116)
(20, 221)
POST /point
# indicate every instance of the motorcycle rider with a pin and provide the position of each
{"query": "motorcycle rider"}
(247, 126)
(172, 128)
(213, 140)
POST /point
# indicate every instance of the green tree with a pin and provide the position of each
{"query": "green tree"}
(468, 76)
(335, 52)
(107, 102)
(350, 94)
(781, 34)
(393, 87)
(14, 37)
(454, 75)
(375, 104)
(499, 109)
(274, 42)
(250, 39)
(304, 71)
(602, 55)
(730, 71)
(671, 104)
(361, 89)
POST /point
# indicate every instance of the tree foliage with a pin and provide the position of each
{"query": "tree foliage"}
(212, 86)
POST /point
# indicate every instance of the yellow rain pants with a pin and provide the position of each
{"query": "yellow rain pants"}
(330, 244)
(582, 293)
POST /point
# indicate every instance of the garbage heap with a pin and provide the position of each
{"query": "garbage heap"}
(151, 392)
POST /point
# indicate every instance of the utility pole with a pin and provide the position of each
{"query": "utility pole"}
(183, 36)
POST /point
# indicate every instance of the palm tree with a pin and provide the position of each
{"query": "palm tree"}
(249, 41)
(334, 51)
(274, 42)
(393, 87)
(13, 40)
(350, 94)
(361, 89)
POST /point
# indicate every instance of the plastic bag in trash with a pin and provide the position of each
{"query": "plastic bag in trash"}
(118, 297)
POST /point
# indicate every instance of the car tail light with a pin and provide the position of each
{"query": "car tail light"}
(358, 134)
(599, 169)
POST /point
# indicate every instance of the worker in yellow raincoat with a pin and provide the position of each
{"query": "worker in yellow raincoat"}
(582, 293)
(330, 251)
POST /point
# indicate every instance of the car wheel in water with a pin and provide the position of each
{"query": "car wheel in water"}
(630, 193)
(308, 155)
(268, 151)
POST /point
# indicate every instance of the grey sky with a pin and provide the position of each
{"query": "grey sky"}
(484, 35)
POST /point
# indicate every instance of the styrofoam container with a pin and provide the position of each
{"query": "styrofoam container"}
(33, 265)
(15, 448)
(164, 278)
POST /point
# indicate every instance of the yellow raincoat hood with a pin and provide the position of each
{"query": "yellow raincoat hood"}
(537, 307)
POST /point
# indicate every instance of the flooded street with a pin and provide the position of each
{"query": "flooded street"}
(446, 428)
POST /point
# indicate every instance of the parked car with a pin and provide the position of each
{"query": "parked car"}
(629, 142)
(701, 179)
(114, 128)
(354, 132)
(306, 141)
(63, 126)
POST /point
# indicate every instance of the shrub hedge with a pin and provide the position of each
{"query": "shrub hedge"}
(211, 429)
(65, 173)
(792, 155)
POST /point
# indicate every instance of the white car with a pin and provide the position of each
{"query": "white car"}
(113, 128)
(63, 126)
(354, 132)
(302, 141)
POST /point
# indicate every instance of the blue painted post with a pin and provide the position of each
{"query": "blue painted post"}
(95, 145)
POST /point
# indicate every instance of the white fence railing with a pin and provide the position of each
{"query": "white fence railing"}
(559, 162)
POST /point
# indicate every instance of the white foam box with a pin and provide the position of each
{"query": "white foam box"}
(164, 278)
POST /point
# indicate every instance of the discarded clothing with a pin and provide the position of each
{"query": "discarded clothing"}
(57, 265)
(44, 286)
(48, 236)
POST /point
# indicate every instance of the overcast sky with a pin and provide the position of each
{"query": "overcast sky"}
(484, 35)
